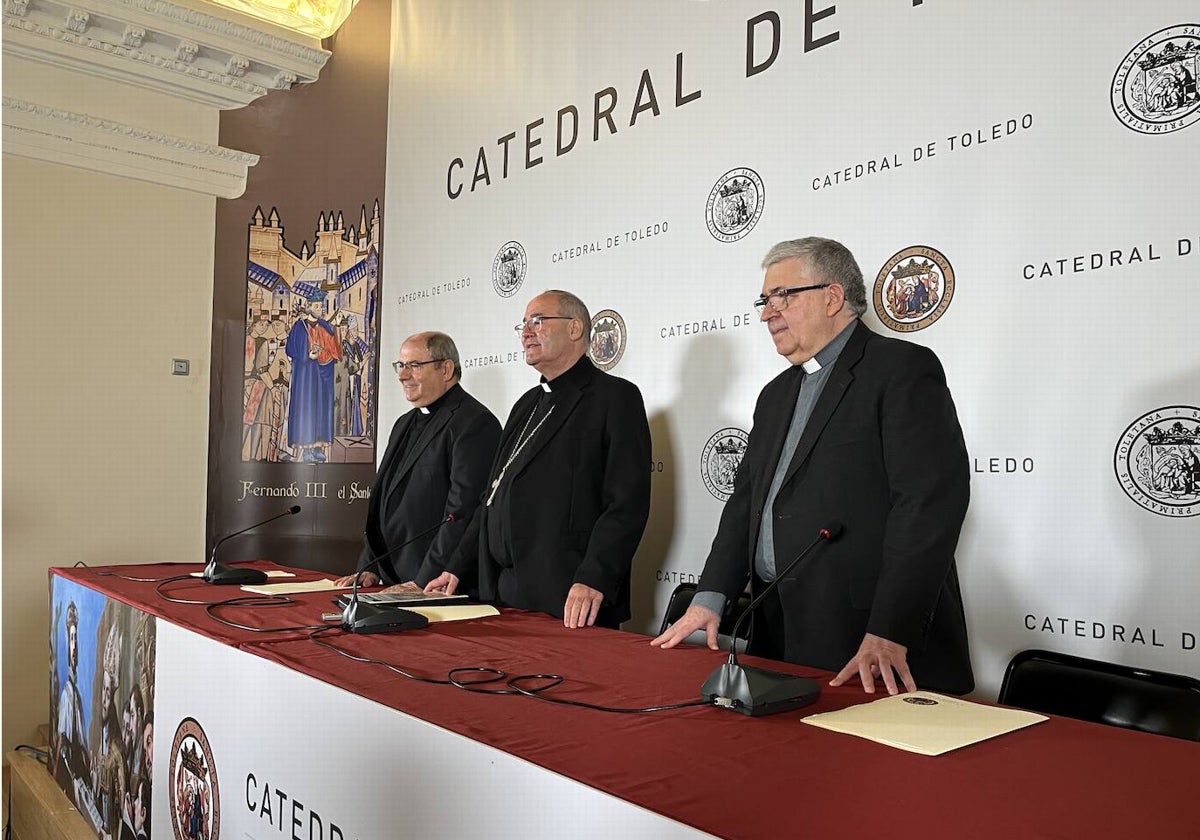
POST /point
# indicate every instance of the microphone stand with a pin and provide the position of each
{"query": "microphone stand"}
(757, 691)
(359, 617)
(220, 574)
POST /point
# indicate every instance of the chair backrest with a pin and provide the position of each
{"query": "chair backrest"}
(1103, 692)
(681, 599)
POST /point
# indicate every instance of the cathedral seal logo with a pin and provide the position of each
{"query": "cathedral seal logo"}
(1157, 461)
(195, 803)
(508, 269)
(735, 204)
(913, 289)
(720, 460)
(608, 339)
(921, 701)
(1154, 88)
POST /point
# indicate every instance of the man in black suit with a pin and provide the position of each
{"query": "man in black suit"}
(435, 464)
(569, 492)
(860, 429)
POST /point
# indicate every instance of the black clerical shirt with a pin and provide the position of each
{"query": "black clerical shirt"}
(392, 462)
(499, 519)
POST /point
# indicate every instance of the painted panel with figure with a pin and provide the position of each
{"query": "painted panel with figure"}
(311, 326)
(102, 708)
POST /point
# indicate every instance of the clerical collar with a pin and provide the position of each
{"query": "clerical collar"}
(436, 404)
(828, 354)
(571, 377)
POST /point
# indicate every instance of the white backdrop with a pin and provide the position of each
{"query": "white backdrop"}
(1024, 143)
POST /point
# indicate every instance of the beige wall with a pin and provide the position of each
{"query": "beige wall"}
(105, 280)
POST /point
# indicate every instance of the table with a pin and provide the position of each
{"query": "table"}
(671, 773)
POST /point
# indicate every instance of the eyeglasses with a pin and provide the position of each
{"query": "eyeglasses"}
(779, 298)
(413, 367)
(534, 322)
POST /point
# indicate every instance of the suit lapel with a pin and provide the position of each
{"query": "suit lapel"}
(386, 476)
(831, 396)
(773, 437)
(436, 423)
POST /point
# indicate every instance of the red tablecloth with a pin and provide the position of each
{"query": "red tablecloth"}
(719, 771)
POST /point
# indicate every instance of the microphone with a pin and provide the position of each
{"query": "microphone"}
(218, 573)
(757, 691)
(369, 618)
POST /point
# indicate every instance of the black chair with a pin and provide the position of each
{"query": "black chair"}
(681, 599)
(1102, 692)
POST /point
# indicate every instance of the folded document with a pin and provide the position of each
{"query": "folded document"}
(924, 722)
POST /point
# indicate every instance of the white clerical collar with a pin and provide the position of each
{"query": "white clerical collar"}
(423, 409)
(546, 387)
(828, 354)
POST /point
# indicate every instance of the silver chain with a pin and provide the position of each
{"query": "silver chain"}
(522, 439)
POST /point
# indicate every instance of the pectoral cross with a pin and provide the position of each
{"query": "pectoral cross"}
(495, 484)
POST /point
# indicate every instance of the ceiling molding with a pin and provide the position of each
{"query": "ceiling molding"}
(192, 50)
(101, 145)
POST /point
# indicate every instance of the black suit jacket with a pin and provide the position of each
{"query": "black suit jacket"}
(883, 452)
(579, 501)
(443, 472)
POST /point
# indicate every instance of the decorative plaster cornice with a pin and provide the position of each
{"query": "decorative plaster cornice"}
(74, 139)
(165, 46)
(220, 27)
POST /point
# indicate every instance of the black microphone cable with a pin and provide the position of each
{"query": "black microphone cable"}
(257, 601)
(514, 684)
(316, 635)
(160, 591)
(79, 564)
(142, 579)
(487, 676)
(491, 676)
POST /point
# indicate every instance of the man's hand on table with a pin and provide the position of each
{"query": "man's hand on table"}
(364, 579)
(446, 583)
(696, 618)
(877, 658)
(583, 605)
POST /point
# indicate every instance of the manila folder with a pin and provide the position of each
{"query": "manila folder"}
(924, 722)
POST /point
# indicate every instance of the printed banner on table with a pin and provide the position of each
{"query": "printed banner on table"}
(102, 685)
